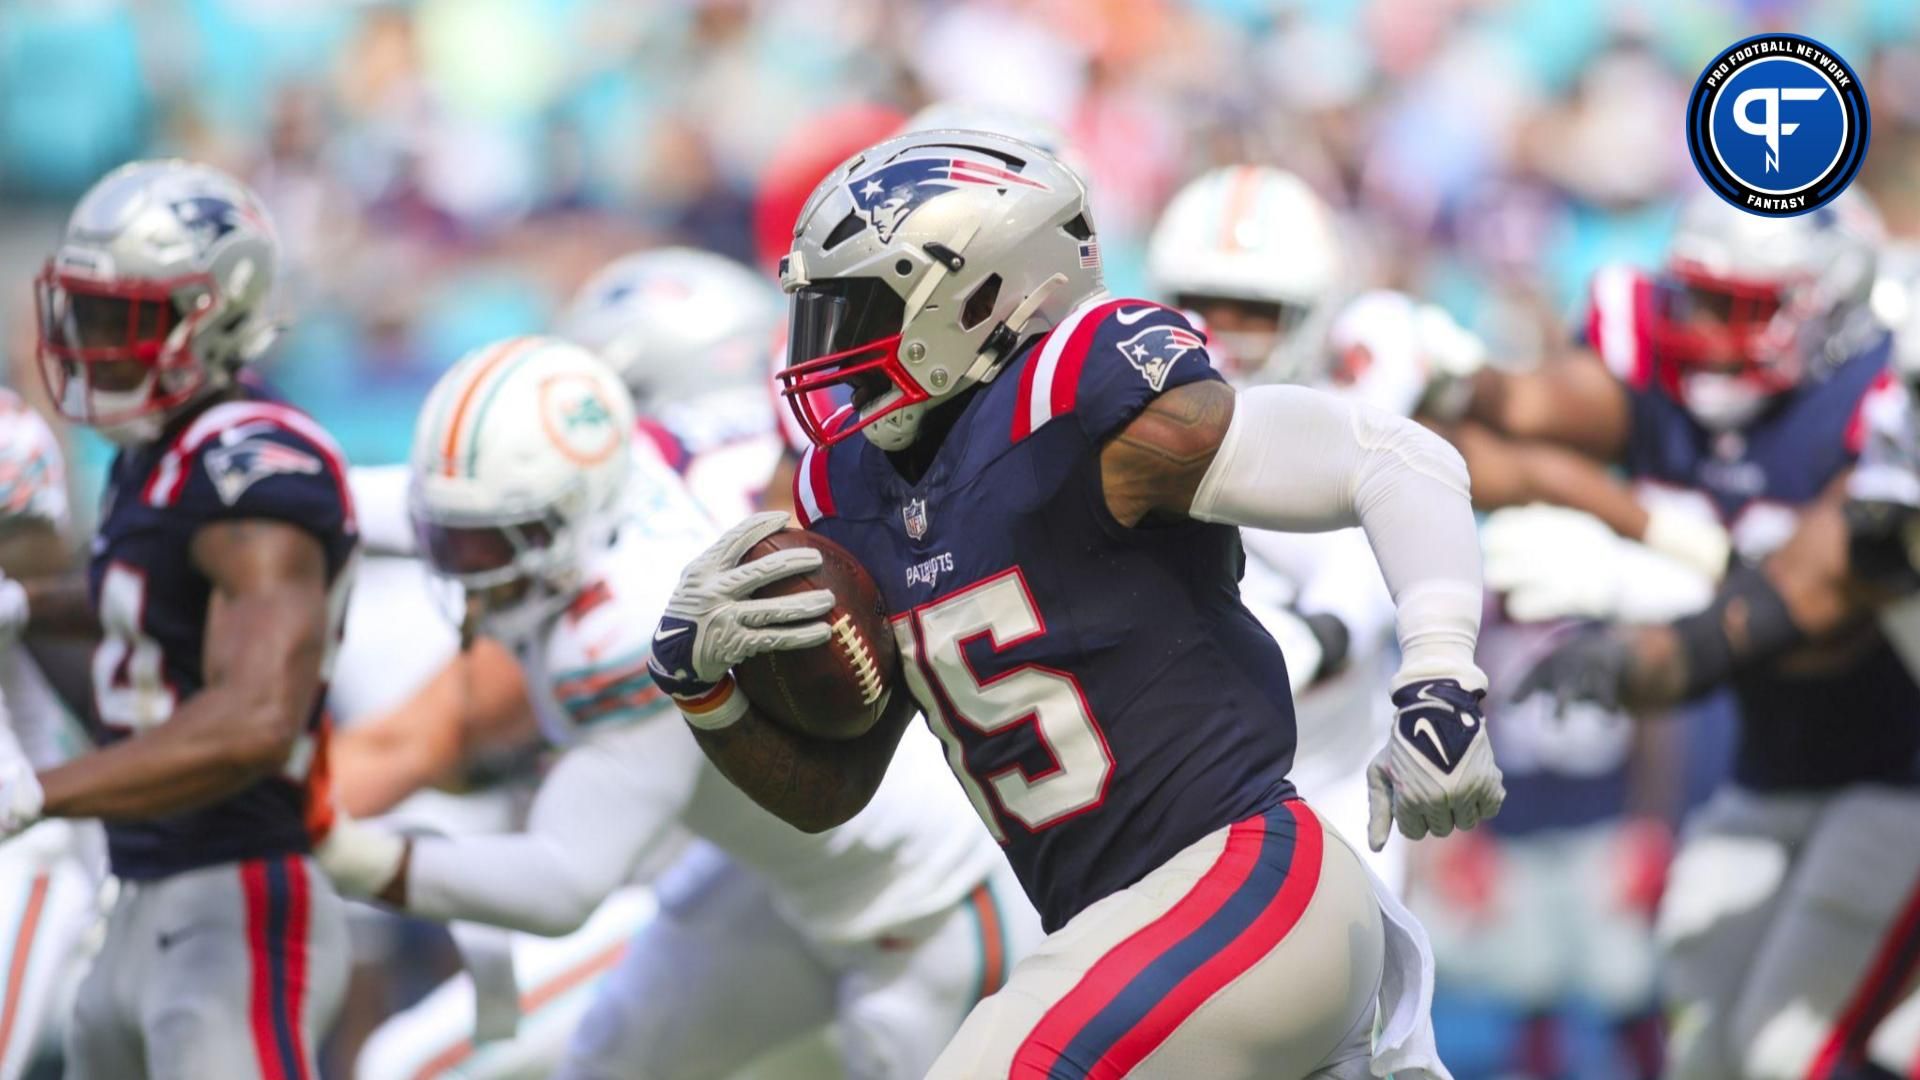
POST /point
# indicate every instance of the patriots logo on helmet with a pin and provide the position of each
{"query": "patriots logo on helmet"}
(238, 466)
(208, 217)
(1155, 350)
(888, 195)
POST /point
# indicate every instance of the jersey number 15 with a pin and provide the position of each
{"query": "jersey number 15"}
(1046, 701)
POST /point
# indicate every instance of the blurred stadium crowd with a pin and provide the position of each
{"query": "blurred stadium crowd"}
(447, 172)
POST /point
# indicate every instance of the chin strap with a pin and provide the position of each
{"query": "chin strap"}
(987, 362)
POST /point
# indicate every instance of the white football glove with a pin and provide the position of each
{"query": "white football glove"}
(361, 859)
(21, 799)
(13, 611)
(1436, 772)
(712, 621)
(1548, 562)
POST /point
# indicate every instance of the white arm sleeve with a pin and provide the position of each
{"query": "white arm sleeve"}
(602, 810)
(1301, 460)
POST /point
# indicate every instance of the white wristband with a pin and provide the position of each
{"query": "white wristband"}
(1690, 538)
(721, 707)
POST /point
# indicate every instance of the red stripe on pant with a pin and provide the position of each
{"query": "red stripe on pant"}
(1893, 963)
(269, 977)
(1122, 964)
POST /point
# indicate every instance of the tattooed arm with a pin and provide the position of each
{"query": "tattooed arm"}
(811, 784)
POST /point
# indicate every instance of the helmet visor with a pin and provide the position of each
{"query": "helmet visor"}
(1704, 322)
(103, 344)
(845, 332)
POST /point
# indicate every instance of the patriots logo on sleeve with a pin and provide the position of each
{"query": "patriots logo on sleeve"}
(888, 195)
(1155, 350)
(237, 466)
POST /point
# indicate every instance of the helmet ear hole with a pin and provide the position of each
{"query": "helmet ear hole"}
(980, 303)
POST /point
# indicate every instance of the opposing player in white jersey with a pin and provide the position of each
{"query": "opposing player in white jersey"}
(50, 876)
(566, 545)
(688, 332)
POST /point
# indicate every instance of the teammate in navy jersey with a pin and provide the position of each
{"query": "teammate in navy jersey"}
(1043, 480)
(1736, 386)
(217, 579)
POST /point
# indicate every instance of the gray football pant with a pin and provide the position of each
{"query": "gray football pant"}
(232, 971)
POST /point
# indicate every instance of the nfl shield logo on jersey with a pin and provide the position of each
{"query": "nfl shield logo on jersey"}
(915, 514)
(1153, 351)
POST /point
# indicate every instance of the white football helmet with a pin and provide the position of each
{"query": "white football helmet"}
(155, 297)
(918, 267)
(520, 458)
(1749, 306)
(675, 323)
(1254, 235)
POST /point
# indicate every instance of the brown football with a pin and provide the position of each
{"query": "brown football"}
(831, 691)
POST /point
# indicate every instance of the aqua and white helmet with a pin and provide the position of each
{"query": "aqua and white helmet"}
(520, 458)
(1256, 235)
(156, 296)
(918, 266)
(676, 323)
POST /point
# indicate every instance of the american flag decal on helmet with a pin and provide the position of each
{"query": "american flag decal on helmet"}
(1090, 255)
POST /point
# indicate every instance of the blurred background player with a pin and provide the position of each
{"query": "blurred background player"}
(218, 577)
(564, 542)
(1734, 388)
(688, 332)
(51, 876)
(1838, 958)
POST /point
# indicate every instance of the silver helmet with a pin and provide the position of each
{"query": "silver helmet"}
(918, 267)
(1749, 306)
(156, 296)
(676, 323)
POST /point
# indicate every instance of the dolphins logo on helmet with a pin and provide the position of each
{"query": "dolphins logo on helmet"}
(890, 194)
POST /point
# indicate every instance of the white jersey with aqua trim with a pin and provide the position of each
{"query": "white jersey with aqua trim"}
(915, 850)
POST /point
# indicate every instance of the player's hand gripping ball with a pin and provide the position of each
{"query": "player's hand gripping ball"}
(837, 690)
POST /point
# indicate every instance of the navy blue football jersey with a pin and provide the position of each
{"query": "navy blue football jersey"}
(1103, 695)
(1846, 713)
(251, 459)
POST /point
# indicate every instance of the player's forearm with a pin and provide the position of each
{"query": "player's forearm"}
(207, 751)
(1571, 401)
(59, 605)
(811, 784)
(520, 881)
(33, 549)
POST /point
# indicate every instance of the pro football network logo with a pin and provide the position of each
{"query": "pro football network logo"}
(888, 195)
(1778, 125)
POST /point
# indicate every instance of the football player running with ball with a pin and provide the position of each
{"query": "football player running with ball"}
(1044, 481)
(218, 577)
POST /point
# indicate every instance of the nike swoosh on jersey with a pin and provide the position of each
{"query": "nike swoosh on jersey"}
(1424, 726)
(1128, 318)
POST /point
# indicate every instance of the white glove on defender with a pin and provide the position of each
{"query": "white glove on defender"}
(21, 799)
(13, 610)
(712, 622)
(1436, 772)
(361, 859)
